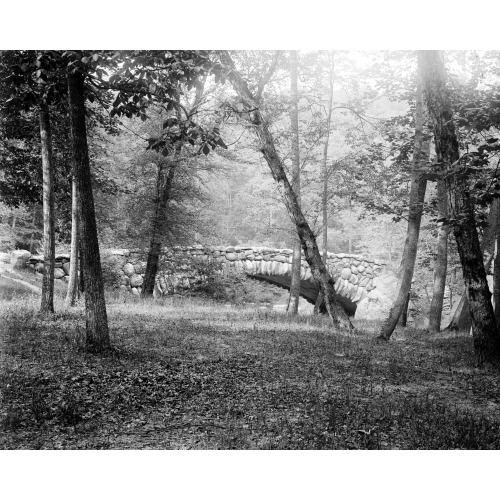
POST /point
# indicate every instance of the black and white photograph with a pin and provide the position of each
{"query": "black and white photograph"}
(286, 248)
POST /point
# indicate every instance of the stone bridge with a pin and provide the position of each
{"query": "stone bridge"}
(183, 267)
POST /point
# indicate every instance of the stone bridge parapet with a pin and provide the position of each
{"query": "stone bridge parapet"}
(183, 267)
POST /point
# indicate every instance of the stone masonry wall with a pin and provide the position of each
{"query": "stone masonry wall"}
(354, 275)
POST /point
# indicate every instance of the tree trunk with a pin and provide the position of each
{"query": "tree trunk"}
(325, 173)
(73, 289)
(47, 305)
(441, 262)
(164, 188)
(484, 328)
(164, 183)
(81, 283)
(461, 320)
(496, 275)
(97, 334)
(417, 194)
(308, 241)
(293, 301)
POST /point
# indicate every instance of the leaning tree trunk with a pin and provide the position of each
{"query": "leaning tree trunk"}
(73, 289)
(441, 262)
(484, 327)
(308, 241)
(97, 333)
(293, 301)
(415, 209)
(47, 305)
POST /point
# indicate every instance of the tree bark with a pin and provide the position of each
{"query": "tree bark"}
(47, 304)
(164, 188)
(441, 262)
(294, 297)
(496, 275)
(417, 194)
(97, 333)
(73, 289)
(462, 320)
(484, 328)
(308, 241)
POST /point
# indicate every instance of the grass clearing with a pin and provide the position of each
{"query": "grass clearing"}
(192, 374)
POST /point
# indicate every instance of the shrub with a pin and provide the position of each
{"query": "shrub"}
(111, 266)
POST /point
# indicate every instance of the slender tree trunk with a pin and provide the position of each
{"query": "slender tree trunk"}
(325, 175)
(441, 262)
(164, 188)
(484, 328)
(72, 292)
(308, 240)
(415, 209)
(97, 333)
(47, 305)
(293, 301)
(165, 180)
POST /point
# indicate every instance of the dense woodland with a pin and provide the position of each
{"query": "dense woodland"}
(389, 154)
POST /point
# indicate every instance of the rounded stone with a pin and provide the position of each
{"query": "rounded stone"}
(128, 269)
(59, 273)
(136, 280)
(19, 258)
(231, 256)
(361, 268)
(138, 268)
(354, 270)
(353, 279)
(5, 257)
(66, 267)
(345, 274)
(39, 267)
(135, 291)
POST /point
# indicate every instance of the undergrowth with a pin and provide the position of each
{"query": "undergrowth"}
(190, 374)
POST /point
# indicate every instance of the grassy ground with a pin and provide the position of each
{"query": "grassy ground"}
(190, 374)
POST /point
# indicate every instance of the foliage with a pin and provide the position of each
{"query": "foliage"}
(111, 266)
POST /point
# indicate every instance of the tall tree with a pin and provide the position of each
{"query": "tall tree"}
(167, 166)
(47, 305)
(484, 328)
(267, 147)
(97, 333)
(415, 209)
(325, 174)
(441, 261)
(293, 301)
